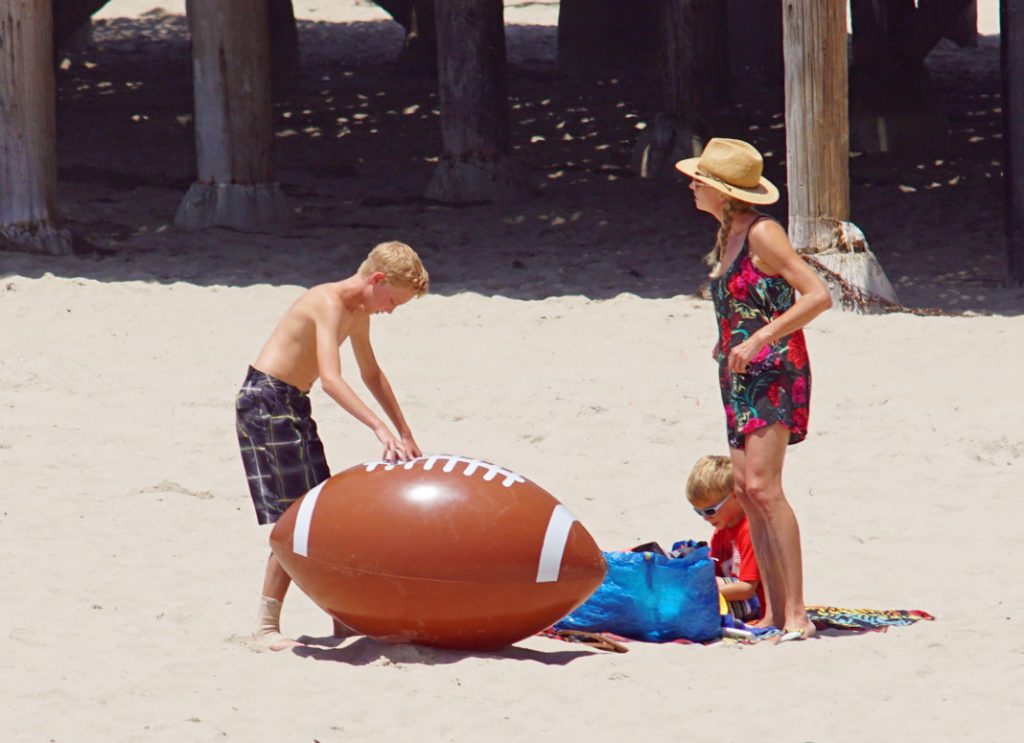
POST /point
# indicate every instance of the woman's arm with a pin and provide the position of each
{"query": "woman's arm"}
(774, 255)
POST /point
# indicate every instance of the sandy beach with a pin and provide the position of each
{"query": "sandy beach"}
(563, 338)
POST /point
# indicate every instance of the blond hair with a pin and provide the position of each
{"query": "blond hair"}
(730, 208)
(710, 480)
(400, 264)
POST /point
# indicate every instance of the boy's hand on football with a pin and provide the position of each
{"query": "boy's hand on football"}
(411, 447)
(394, 450)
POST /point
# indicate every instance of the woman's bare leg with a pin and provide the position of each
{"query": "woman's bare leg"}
(766, 561)
(774, 528)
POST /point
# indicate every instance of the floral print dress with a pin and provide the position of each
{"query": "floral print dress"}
(776, 387)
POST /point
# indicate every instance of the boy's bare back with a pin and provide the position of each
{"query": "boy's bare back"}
(290, 354)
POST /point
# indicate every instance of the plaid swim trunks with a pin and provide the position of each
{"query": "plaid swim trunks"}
(281, 451)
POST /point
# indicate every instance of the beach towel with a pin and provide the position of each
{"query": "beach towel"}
(735, 631)
(864, 620)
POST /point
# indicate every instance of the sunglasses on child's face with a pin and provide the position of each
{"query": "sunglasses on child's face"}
(712, 510)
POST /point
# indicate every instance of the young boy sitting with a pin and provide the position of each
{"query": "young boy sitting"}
(281, 451)
(709, 490)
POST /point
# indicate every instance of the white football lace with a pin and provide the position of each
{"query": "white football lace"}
(491, 471)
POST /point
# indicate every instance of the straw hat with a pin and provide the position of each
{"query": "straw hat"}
(733, 167)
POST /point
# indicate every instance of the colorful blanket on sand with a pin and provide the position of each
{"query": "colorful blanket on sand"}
(864, 620)
(824, 617)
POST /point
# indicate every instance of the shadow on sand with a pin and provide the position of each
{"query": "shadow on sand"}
(355, 149)
(363, 651)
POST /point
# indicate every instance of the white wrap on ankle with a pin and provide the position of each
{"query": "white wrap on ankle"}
(268, 626)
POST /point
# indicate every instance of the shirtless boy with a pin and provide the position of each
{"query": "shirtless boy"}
(281, 452)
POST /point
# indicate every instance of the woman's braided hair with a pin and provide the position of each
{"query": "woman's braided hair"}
(730, 208)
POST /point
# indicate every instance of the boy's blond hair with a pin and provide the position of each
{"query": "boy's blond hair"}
(710, 480)
(400, 264)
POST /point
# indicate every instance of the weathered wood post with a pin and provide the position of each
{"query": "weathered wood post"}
(599, 35)
(694, 61)
(70, 17)
(817, 149)
(233, 119)
(419, 52)
(285, 67)
(1011, 21)
(28, 131)
(694, 76)
(895, 105)
(964, 29)
(475, 127)
(755, 49)
(80, 39)
(817, 126)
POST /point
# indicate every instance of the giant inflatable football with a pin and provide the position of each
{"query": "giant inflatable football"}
(442, 550)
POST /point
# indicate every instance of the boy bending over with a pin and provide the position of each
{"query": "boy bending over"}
(281, 452)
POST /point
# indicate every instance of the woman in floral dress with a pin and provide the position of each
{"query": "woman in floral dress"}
(764, 294)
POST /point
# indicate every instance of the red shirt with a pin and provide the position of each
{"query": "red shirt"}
(733, 553)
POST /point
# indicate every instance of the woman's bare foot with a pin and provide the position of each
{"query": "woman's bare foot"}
(798, 631)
